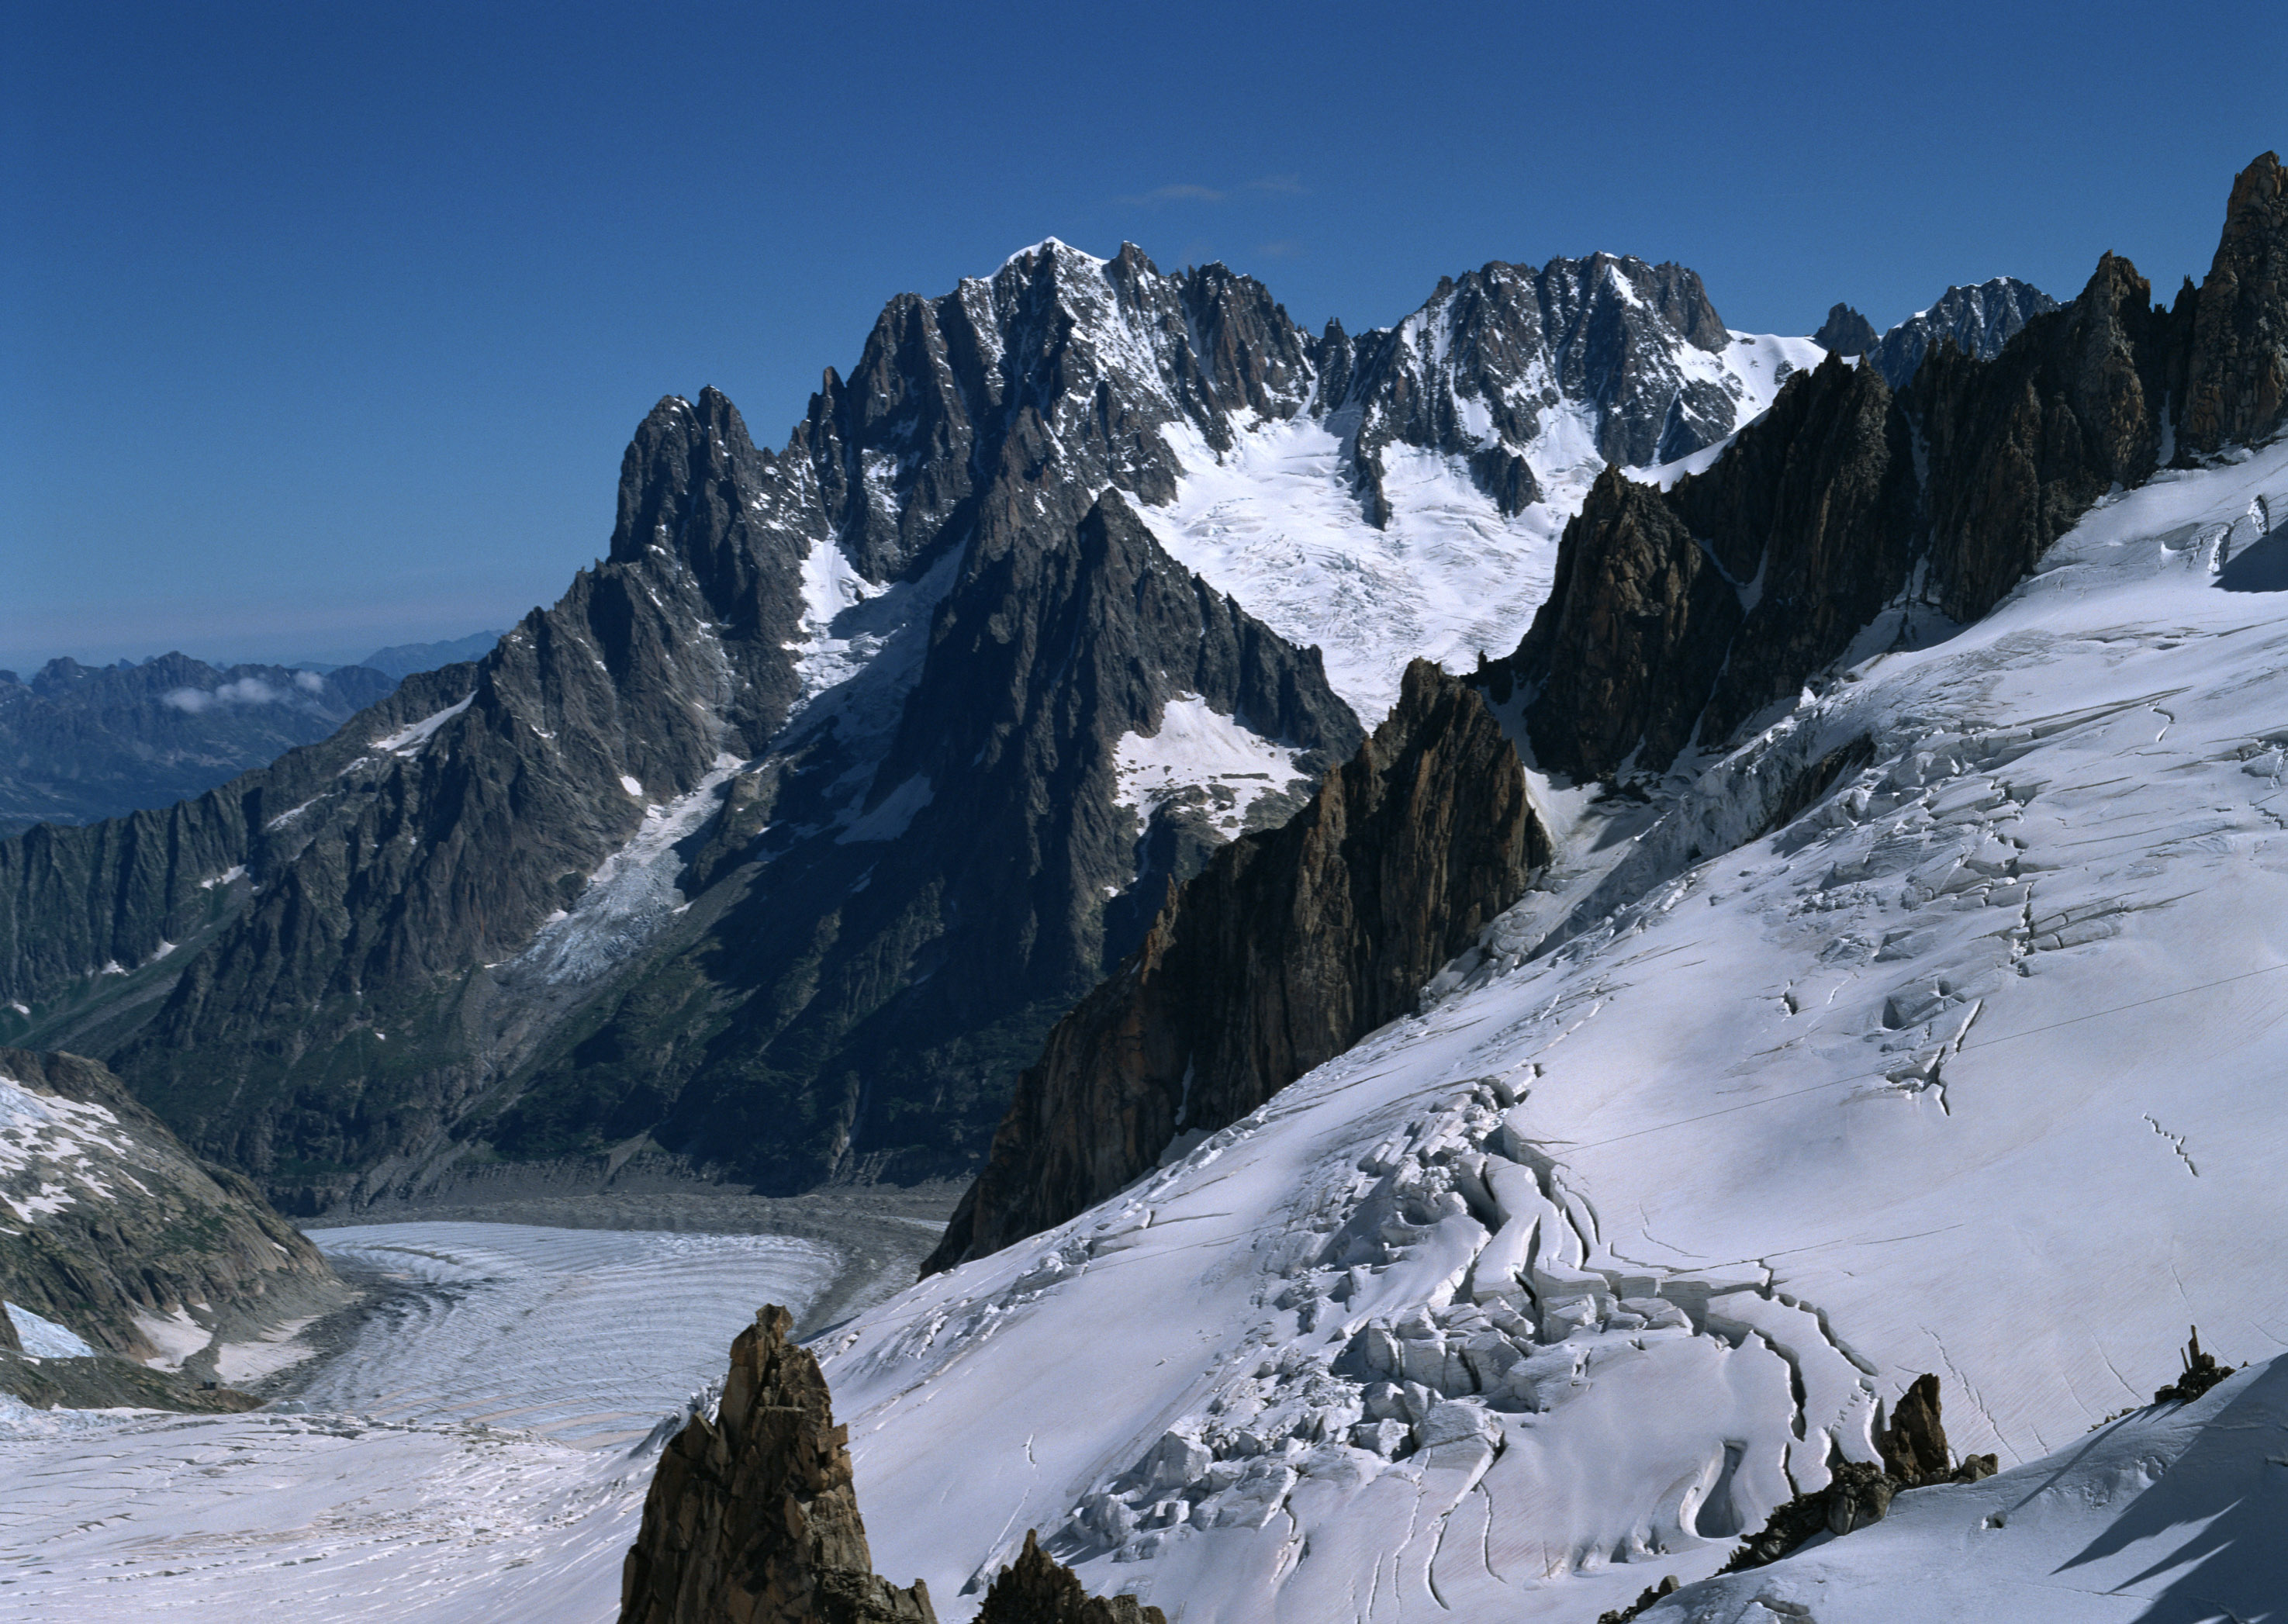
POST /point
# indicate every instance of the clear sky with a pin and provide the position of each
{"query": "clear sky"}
(324, 326)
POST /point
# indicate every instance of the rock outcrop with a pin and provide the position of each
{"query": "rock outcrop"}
(752, 1517)
(1914, 1455)
(2238, 386)
(1677, 614)
(111, 1230)
(1036, 1588)
(1287, 948)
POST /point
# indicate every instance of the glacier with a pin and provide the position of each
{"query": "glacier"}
(479, 1451)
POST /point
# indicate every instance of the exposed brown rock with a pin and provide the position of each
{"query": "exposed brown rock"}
(1287, 948)
(1913, 1446)
(1036, 1588)
(2202, 1372)
(2237, 386)
(752, 1517)
(1915, 1455)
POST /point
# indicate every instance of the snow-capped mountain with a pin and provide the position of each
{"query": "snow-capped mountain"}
(784, 837)
(1919, 1027)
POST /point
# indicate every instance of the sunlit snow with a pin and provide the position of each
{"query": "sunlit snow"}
(1197, 747)
(1275, 522)
(1556, 1288)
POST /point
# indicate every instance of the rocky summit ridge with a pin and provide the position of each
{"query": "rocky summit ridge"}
(1853, 510)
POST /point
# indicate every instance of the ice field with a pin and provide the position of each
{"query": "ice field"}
(478, 1453)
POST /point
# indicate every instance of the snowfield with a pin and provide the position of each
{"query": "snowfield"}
(480, 1452)
(1559, 1287)
(1275, 523)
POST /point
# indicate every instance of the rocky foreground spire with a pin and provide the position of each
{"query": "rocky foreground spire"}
(752, 1518)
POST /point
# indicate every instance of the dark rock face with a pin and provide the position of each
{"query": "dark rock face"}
(752, 1518)
(1979, 320)
(1677, 615)
(1845, 332)
(104, 1217)
(2237, 386)
(78, 743)
(1291, 946)
(2019, 447)
(1036, 1588)
(1694, 608)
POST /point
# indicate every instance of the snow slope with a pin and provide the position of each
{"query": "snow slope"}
(2173, 1514)
(1556, 1288)
(480, 1452)
(1276, 524)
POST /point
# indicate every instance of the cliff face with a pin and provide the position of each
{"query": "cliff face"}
(1711, 600)
(110, 1229)
(1289, 947)
(1677, 614)
(2237, 388)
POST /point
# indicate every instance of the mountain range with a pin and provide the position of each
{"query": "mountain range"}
(782, 839)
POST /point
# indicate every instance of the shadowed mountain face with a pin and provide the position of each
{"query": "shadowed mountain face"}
(1287, 949)
(79, 743)
(1679, 613)
(782, 839)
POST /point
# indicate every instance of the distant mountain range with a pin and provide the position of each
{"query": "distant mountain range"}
(80, 743)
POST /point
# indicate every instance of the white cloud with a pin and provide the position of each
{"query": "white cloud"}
(246, 691)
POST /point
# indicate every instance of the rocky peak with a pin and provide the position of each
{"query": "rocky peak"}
(1977, 320)
(752, 1516)
(2237, 386)
(1036, 1588)
(1474, 371)
(1845, 332)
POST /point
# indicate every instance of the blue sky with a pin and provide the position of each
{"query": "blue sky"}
(324, 327)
